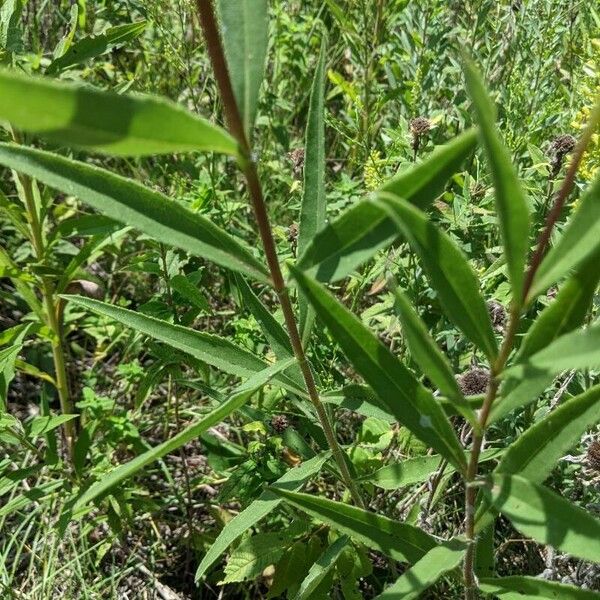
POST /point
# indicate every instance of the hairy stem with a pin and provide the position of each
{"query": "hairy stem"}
(234, 122)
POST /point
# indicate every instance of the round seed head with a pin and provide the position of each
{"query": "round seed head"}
(474, 381)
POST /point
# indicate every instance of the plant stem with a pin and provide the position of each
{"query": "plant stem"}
(50, 306)
(498, 366)
(248, 165)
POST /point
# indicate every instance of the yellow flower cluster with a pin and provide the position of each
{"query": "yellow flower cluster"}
(590, 163)
(372, 171)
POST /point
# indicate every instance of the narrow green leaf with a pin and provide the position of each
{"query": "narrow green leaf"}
(520, 587)
(293, 480)
(79, 115)
(11, 34)
(92, 46)
(321, 567)
(183, 286)
(397, 540)
(237, 399)
(42, 425)
(356, 236)
(416, 470)
(536, 451)
(424, 573)
(245, 28)
(429, 357)
(130, 203)
(580, 239)
(314, 207)
(449, 271)
(513, 214)
(545, 516)
(211, 349)
(400, 391)
(65, 43)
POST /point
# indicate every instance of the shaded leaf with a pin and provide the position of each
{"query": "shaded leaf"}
(397, 540)
(79, 115)
(533, 588)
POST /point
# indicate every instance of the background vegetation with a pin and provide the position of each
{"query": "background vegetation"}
(394, 90)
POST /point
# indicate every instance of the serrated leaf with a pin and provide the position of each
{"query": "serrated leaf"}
(356, 236)
(402, 394)
(244, 28)
(580, 240)
(258, 509)
(120, 125)
(545, 516)
(314, 208)
(253, 555)
(511, 206)
(520, 587)
(92, 46)
(424, 573)
(128, 202)
(397, 540)
(237, 399)
(321, 568)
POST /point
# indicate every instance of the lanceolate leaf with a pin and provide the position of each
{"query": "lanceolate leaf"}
(211, 349)
(238, 398)
(397, 540)
(92, 46)
(79, 115)
(423, 574)
(536, 451)
(313, 210)
(513, 214)
(400, 391)
(562, 316)
(133, 204)
(355, 236)
(533, 588)
(244, 29)
(580, 239)
(545, 516)
(321, 567)
(448, 269)
(428, 356)
(257, 510)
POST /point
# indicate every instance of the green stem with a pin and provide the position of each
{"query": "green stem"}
(234, 122)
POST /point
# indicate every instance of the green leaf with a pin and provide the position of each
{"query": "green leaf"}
(183, 286)
(92, 46)
(449, 271)
(314, 202)
(130, 203)
(79, 115)
(245, 28)
(397, 540)
(10, 26)
(211, 349)
(545, 516)
(520, 587)
(361, 399)
(579, 240)
(424, 573)
(415, 470)
(253, 555)
(67, 39)
(238, 398)
(536, 451)
(321, 568)
(563, 315)
(258, 509)
(42, 425)
(513, 214)
(429, 357)
(357, 235)
(400, 391)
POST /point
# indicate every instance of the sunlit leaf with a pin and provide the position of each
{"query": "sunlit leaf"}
(521, 587)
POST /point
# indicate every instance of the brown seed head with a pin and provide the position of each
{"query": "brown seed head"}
(497, 315)
(593, 455)
(280, 423)
(474, 381)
